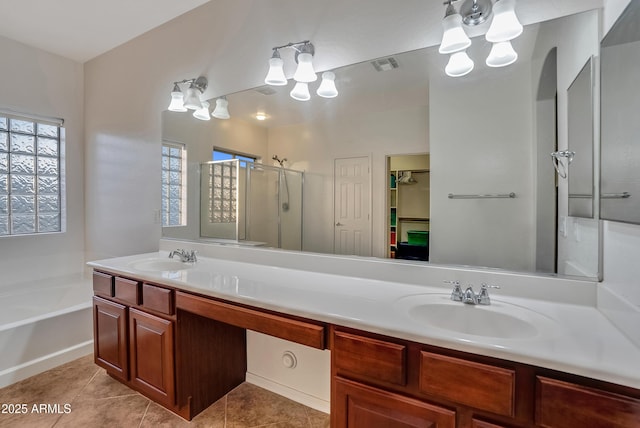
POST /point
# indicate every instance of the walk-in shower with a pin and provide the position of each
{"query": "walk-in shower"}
(251, 202)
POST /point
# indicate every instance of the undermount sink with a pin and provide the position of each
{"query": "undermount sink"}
(159, 265)
(499, 320)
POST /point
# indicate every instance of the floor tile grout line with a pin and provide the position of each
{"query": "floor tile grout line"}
(86, 384)
(145, 413)
(56, 421)
(225, 409)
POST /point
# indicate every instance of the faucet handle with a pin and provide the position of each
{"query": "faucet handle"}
(456, 293)
(483, 297)
(193, 256)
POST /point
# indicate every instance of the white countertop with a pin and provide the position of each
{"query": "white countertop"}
(571, 338)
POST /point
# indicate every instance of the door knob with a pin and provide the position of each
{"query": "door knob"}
(339, 224)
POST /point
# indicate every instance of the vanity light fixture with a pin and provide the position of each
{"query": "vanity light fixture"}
(504, 27)
(300, 92)
(203, 113)
(304, 58)
(177, 99)
(222, 109)
(304, 74)
(190, 98)
(459, 64)
(327, 88)
(501, 55)
(276, 76)
(454, 38)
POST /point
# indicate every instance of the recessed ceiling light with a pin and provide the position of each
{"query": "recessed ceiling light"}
(261, 116)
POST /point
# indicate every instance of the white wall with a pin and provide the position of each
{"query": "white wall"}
(37, 82)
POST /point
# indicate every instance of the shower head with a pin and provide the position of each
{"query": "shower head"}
(277, 159)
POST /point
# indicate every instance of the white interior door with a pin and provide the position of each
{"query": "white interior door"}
(352, 202)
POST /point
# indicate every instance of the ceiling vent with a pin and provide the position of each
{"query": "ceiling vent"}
(385, 64)
(265, 90)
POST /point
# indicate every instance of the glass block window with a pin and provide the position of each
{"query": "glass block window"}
(30, 177)
(174, 184)
(223, 187)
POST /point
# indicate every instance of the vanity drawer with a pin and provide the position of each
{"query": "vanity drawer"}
(295, 330)
(127, 290)
(369, 358)
(477, 385)
(103, 284)
(157, 299)
(564, 404)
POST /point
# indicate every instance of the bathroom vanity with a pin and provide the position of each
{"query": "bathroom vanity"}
(176, 333)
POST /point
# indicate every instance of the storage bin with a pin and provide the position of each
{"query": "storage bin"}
(418, 237)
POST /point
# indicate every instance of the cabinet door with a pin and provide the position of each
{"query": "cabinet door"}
(152, 356)
(362, 406)
(110, 337)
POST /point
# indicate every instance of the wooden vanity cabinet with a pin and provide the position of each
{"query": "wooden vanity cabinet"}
(110, 337)
(360, 405)
(389, 382)
(151, 356)
(563, 404)
(133, 345)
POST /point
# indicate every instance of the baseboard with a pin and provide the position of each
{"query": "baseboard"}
(44, 363)
(290, 393)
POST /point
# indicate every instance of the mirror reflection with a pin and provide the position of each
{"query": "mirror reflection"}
(620, 155)
(490, 185)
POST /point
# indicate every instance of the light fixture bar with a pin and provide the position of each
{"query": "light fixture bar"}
(295, 45)
(475, 12)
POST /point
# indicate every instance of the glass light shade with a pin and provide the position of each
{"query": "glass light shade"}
(505, 25)
(459, 64)
(305, 72)
(276, 76)
(177, 100)
(192, 99)
(327, 88)
(501, 55)
(300, 92)
(222, 109)
(454, 38)
(203, 113)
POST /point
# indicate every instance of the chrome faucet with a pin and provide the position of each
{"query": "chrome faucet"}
(469, 296)
(456, 293)
(482, 298)
(185, 256)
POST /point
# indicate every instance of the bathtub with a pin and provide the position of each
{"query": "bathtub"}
(44, 324)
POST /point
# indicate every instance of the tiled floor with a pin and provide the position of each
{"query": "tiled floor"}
(96, 400)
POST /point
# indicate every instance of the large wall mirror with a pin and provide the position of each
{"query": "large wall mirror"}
(620, 128)
(487, 134)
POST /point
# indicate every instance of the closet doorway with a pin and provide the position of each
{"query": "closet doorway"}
(408, 206)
